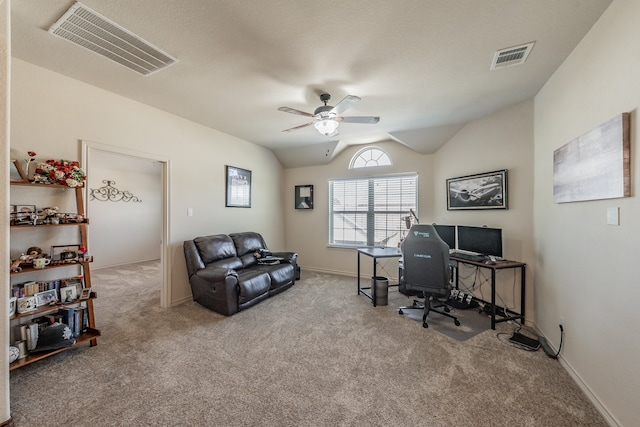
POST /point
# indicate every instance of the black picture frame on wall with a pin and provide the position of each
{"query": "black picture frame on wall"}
(304, 196)
(480, 191)
(238, 184)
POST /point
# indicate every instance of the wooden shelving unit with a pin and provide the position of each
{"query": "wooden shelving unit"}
(91, 334)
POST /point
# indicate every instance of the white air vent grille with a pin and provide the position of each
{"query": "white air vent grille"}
(511, 56)
(89, 29)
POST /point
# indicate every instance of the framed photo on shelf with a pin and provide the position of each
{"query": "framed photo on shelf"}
(304, 196)
(66, 253)
(85, 294)
(481, 191)
(238, 181)
(68, 294)
(46, 297)
(16, 173)
(12, 306)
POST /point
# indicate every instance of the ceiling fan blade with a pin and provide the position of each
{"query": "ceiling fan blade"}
(294, 111)
(298, 127)
(369, 120)
(341, 106)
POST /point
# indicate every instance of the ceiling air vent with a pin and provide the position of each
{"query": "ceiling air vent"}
(511, 56)
(89, 29)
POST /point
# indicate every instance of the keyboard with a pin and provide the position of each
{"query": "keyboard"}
(467, 257)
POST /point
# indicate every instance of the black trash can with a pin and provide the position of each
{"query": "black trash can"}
(381, 286)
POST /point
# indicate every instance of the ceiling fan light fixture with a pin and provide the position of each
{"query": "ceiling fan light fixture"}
(326, 126)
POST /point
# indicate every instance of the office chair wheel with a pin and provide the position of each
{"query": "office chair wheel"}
(400, 311)
(457, 322)
(425, 325)
(446, 309)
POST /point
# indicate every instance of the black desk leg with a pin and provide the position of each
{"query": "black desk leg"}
(493, 298)
(373, 282)
(523, 291)
(358, 273)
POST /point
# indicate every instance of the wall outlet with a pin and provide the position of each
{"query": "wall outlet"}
(562, 321)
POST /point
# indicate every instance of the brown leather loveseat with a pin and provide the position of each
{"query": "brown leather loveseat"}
(226, 276)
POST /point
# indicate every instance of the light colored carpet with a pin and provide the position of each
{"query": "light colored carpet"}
(315, 355)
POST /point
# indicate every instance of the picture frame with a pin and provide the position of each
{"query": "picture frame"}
(75, 282)
(479, 191)
(16, 173)
(596, 165)
(68, 294)
(238, 185)
(46, 297)
(26, 304)
(85, 293)
(304, 197)
(12, 306)
(66, 253)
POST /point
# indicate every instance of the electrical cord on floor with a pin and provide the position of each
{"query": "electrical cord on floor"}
(547, 349)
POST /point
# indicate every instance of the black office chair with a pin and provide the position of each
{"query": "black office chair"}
(424, 271)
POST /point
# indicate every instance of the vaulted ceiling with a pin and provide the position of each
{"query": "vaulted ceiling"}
(423, 66)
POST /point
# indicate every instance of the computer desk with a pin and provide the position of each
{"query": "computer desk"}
(499, 265)
(375, 253)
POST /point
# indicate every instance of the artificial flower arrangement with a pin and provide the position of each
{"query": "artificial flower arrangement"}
(65, 172)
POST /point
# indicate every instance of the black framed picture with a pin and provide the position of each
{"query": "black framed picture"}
(304, 196)
(481, 191)
(238, 193)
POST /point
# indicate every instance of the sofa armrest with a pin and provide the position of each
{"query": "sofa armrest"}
(217, 275)
(216, 288)
(192, 257)
(290, 257)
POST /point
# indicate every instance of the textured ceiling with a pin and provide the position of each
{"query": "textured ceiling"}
(421, 65)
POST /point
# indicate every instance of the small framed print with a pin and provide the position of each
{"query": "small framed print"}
(67, 253)
(68, 294)
(86, 293)
(46, 297)
(12, 306)
(304, 196)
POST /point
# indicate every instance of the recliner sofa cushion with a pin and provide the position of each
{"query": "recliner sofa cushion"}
(212, 248)
(252, 284)
(247, 244)
(280, 274)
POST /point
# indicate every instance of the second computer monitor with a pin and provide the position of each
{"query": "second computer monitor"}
(447, 233)
(482, 240)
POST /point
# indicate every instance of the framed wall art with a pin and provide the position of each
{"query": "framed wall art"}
(595, 165)
(481, 191)
(304, 196)
(238, 182)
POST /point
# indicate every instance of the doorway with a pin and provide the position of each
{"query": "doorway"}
(92, 154)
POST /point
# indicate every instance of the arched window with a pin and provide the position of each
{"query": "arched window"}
(370, 157)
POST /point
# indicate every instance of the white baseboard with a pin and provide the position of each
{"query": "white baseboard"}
(608, 417)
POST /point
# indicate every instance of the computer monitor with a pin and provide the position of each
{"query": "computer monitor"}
(482, 240)
(447, 233)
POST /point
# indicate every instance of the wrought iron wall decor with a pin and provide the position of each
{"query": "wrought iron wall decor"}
(109, 193)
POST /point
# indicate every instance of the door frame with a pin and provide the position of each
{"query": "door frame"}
(89, 147)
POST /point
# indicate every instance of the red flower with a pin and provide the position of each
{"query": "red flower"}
(31, 153)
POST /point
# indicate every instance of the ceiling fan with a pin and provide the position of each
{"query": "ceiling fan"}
(327, 117)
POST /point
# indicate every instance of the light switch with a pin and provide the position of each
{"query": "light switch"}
(189, 211)
(613, 216)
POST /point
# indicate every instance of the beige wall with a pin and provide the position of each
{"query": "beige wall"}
(586, 269)
(51, 113)
(503, 140)
(307, 231)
